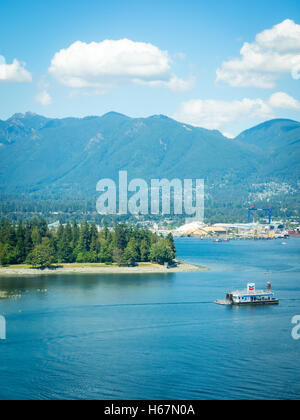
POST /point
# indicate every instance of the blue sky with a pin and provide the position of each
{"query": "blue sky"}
(168, 65)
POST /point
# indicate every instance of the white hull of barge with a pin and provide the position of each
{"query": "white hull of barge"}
(227, 303)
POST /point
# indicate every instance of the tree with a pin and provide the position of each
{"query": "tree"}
(35, 236)
(75, 234)
(106, 252)
(60, 232)
(95, 243)
(64, 250)
(81, 257)
(144, 251)
(43, 228)
(11, 235)
(28, 239)
(131, 253)
(118, 257)
(41, 256)
(7, 255)
(161, 252)
(120, 237)
(84, 238)
(20, 246)
(106, 233)
(171, 241)
(68, 235)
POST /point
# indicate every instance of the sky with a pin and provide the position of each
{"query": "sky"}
(225, 65)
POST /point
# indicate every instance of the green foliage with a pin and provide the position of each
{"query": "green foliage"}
(144, 250)
(171, 242)
(32, 242)
(161, 252)
(7, 254)
(131, 253)
(118, 257)
(41, 256)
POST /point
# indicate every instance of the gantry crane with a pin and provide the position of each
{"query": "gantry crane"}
(253, 208)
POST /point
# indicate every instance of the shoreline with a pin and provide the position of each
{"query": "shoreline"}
(101, 269)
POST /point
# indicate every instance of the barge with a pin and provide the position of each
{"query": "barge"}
(251, 296)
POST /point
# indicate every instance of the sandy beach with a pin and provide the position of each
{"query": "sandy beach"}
(100, 269)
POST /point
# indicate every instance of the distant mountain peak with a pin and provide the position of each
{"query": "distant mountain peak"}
(24, 116)
(161, 117)
(17, 116)
(115, 114)
(272, 123)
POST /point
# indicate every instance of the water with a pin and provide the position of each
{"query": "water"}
(156, 336)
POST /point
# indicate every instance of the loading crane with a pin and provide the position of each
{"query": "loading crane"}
(253, 208)
(269, 211)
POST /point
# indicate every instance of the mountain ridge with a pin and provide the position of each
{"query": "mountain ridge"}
(32, 115)
(67, 156)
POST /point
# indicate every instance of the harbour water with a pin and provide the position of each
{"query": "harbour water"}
(156, 336)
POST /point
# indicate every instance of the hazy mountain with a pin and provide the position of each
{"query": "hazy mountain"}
(278, 144)
(71, 155)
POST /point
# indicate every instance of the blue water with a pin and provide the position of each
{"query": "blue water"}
(156, 336)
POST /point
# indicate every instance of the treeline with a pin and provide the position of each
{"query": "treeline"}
(227, 211)
(32, 242)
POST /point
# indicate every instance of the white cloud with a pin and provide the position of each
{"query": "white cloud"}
(214, 114)
(14, 72)
(275, 52)
(44, 98)
(110, 63)
(221, 115)
(283, 100)
(179, 85)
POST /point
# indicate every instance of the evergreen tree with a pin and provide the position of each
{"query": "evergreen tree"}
(43, 228)
(120, 237)
(171, 241)
(144, 251)
(7, 255)
(60, 232)
(28, 244)
(41, 256)
(118, 257)
(75, 234)
(95, 243)
(20, 246)
(84, 238)
(9, 234)
(106, 252)
(68, 234)
(131, 253)
(161, 252)
(64, 250)
(36, 236)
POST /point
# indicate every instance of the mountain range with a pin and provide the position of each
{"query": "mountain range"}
(68, 156)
